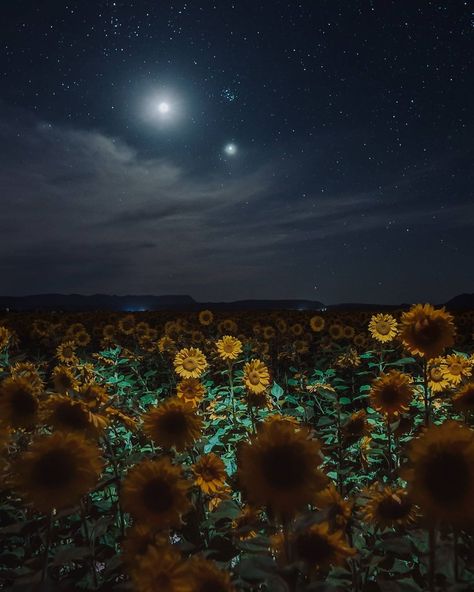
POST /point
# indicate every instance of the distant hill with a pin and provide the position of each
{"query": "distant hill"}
(183, 302)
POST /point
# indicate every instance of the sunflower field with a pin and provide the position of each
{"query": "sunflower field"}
(281, 452)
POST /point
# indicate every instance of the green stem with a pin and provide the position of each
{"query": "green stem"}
(231, 388)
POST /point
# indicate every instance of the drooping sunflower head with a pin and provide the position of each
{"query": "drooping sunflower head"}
(279, 468)
(137, 540)
(93, 395)
(205, 317)
(317, 323)
(161, 569)
(205, 576)
(229, 348)
(66, 414)
(338, 509)
(387, 507)
(210, 474)
(355, 427)
(173, 423)
(57, 471)
(391, 393)
(29, 371)
(19, 404)
(191, 390)
(155, 492)
(426, 331)
(256, 376)
(64, 379)
(441, 471)
(383, 327)
(190, 362)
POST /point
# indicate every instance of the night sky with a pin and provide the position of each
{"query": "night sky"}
(246, 149)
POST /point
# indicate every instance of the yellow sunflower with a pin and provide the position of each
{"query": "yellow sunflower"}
(426, 331)
(155, 492)
(205, 576)
(64, 379)
(317, 323)
(173, 423)
(279, 468)
(337, 508)
(19, 403)
(229, 347)
(66, 353)
(205, 317)
(387, 507)
(4, 337)
(336, 331)
(191, 390)
(166, 344)
(66, 414)
(391, 393)
(190, 363)
(29, 371)
(256, 376)
(383, 327)
(441, 471)
(209, 473)
(126, 324)
(463, 400)
(437, 380)
(57, 471)
(161, 570)
(457, 368)
(137, 540)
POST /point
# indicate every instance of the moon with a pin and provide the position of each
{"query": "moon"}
(164, 107)
(230, 149)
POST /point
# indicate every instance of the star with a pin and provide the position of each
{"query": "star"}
(230, 149)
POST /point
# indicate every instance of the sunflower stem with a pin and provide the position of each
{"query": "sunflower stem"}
(432, 558)
(426, 395)
(231, 388)
(49, 527)
(389, 448)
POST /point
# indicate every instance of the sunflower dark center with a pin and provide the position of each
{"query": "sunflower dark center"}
(174, 422)
(391, 509)
(211, 585)
(73, 416)
(427, 332)
(24, 403)
(447, 477)
(389, 395)
(284, 467)
(55, 469)
(313, 548)
(157, 496)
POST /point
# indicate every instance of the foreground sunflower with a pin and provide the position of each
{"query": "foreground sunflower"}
(463, 400)
(319, 548)
(229, 348)
(173, 423)
(57, 471)
(209, 473)
(391, 393)
(155, 492)
(441, 472)
(256, 376)
(190, 362)
(19, 404)
(427, 331)
(279, 468)
(383, 327)
(191, 390)
(388, 507)
(161, 570)
(205, 576)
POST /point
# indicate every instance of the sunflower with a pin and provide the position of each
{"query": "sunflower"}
(228, 326)
(317, 323)
(166, 344)
(57, 471)
(108, 332)
(337, 508)
(319, 548)
(93, 395)
(66, 353)
(296, 329)
(437, 380)
(256, 376)
(269, 332)
(29, 371)
(387, 507)
(4, 337)
(173, 423)
(336, 331)
(82, 338)
(137, 540)
(355, 427)
(190, 363)
(348, 332)
(66, 414)
(64, 379)
(229, 347)
(126, 325)
(155, 493)
(205, 317)
(205, 576)
(427, 331)
(441, 471)
(391, 393)
(463, 400)
(279, 468)
(19, 404)
(191, 390)
(457, 368)
(209, 473)
(383, 327)
(161, 570)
